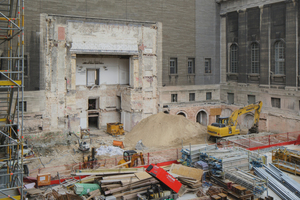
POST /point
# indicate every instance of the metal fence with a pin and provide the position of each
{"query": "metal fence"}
(250, 142)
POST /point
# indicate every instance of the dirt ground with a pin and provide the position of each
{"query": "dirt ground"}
(51, 156)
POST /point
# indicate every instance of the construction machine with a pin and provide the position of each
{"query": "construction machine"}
(83, 145)
(227, 126)
(130, 159)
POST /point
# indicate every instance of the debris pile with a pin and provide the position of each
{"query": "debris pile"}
(162, 130)
(109, 150)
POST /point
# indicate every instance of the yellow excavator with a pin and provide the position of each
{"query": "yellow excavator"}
(226, 126)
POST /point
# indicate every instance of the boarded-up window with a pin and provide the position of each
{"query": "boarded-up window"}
(230, 97)
(251, 99)
(275, 102)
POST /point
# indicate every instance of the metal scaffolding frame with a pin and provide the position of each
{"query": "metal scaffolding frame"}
(11, 98)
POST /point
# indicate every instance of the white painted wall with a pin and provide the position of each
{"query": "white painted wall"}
(111, 70)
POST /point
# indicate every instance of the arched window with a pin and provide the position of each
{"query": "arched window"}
(279, 57)
(233, 58)
(254, 58)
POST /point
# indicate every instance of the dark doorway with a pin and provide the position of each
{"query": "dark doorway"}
(93, 122)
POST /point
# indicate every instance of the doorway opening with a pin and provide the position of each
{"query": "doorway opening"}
(93, 122)
(202, 118)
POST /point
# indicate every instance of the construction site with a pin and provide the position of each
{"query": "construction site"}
(149, 99)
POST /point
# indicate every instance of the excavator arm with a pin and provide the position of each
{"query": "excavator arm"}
(233, 119)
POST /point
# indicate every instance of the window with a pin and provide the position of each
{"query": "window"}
(279, 58)
(173, 97)
(92, 77)
(275, 102)
(173, 66)
(233, 58)
(207, 65)
(25, 106)
(254, 58)
(92, 104)
(251, 99)
(191, 66)
(230, 97)
(192, 96)
(208, 95)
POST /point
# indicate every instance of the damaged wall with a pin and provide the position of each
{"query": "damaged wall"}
(122, 57)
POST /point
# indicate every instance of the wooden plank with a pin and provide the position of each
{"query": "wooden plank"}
(142, 175)
(187, 171)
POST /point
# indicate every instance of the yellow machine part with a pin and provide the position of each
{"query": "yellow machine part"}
(222, 132)
(115, 128)
(121, 162)
(8, 198)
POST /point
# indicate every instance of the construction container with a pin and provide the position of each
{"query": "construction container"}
(44, 179)
(115, 129)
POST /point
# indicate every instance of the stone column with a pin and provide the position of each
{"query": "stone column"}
(242, 65)
(265, 44)
(223, 50)
(291, 44)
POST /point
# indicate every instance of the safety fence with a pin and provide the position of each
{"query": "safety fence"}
(66, 170)
(266, 141)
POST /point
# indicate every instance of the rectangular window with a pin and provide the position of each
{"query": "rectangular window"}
(230, 97)
(191, 65)
(192, 96)
(207, 65)
(173, 97)
(173, 65)
(251, 99)
(92, 77)
(208, 95)
(92, 104)
(275, 102)
(25, 106)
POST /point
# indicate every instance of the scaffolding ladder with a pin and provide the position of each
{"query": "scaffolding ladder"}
(11, 98)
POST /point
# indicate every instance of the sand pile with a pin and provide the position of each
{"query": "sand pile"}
(161, 130)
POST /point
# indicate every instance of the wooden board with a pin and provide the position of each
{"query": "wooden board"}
(215, 111)
(187, 171)
(142, 175)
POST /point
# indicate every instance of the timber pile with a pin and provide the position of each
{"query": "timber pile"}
(190, 182)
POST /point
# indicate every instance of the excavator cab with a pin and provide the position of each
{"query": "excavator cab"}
(221, 122)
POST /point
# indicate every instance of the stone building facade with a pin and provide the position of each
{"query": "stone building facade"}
(93, 62)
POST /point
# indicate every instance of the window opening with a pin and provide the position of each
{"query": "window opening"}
(173, 66)
(191, 65)
(92, 77)
(173, 97)
(191, 96)
(275, 102)
(279, 58)
(208, 95)
(233, 58)
(207, 65)
(255, 58)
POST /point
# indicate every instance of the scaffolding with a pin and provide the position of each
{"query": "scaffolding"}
(11, 98)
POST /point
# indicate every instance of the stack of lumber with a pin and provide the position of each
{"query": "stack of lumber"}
(190, 182)
(214, 190)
